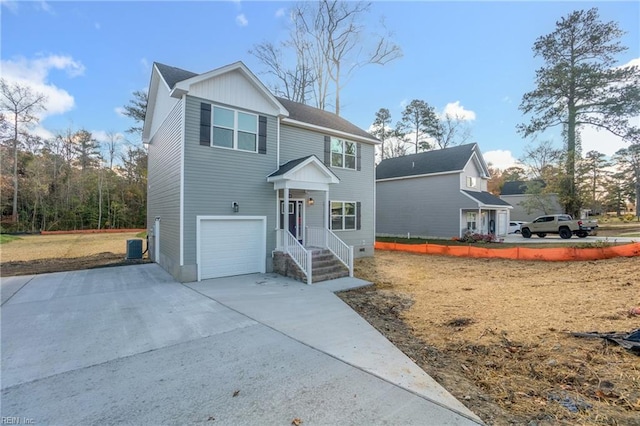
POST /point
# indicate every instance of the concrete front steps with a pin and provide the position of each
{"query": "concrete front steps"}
(325, 266)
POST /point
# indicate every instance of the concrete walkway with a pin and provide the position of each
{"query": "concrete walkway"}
(131, 345)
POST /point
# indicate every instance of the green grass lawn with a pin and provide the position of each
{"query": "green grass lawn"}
(4, 238)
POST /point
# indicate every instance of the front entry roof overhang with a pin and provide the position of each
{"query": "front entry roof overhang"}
(307, 173)
(487, 200)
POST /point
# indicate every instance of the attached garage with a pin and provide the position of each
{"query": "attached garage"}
(230, 245)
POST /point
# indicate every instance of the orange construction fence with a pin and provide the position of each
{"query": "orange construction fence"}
(91, 231)
(518, 253)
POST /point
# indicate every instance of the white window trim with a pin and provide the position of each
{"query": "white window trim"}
(474, 221)
(234, 129)
(355, 216)
(471, 182)
(344, 154)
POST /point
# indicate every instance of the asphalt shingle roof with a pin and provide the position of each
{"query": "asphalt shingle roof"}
(318, 117)
(173, 75)
(518, 187)
(424, 163)
(297, 111)
(288, 166)
(486, 198)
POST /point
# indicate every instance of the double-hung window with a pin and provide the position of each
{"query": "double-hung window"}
(472, 219)
(343, 154)
(234, 129)
(343, 215)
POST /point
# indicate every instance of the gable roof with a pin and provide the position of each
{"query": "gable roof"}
(445, 160)
(173, 75)
(292, 112)
(518, 187)
(303, 173)
(290, 165)
(310, 115)
(486, 198)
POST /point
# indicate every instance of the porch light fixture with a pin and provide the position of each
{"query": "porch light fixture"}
(236, 207)
(311, 201)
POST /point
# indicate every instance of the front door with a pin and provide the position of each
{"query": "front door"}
(296, 225)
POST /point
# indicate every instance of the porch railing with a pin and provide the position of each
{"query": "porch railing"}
(297, 252)
(322, 237)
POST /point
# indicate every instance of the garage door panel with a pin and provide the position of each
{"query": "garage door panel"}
(231, 246)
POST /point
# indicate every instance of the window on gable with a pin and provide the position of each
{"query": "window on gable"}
(234, 129)
(471, 182)
(343, 154)
(343, 215)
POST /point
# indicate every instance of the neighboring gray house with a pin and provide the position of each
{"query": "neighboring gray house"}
(527, 207)
(238, 177)
(440, 193)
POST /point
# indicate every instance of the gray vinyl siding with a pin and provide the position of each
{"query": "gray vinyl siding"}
(214, 178)
(163, 197)
(520, 213)
(425, 207)
(354, 185)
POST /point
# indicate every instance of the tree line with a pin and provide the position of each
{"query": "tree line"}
(578, 85)
(69, 181)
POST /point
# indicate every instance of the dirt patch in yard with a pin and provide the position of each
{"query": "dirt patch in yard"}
(38, 254)
(495, 333)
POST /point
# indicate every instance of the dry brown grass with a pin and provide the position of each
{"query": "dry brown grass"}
(503, 325)
(34, 247)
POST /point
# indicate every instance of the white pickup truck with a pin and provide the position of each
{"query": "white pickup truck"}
(562, 224)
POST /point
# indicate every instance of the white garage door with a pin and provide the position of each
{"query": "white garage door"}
(231, 246)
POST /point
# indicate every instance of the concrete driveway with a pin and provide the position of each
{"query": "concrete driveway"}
(131, 345)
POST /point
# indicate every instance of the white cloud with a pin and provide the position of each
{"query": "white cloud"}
(102, 136)
(10, 4)
(603, 141)
(500, 159)
(241, 20)
(120, 111)
(455, 110)
(45, 7)
(34, 73)
(280, 12)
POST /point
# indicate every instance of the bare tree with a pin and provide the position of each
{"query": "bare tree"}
(291, 83)
(22, 105)
(113, 139)
(329, 43)
(452, 130)
(539, 158)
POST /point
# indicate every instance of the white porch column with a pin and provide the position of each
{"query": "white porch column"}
(327, 210)
(327, 216)
(285, 219)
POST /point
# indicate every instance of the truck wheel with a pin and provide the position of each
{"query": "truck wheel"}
(526, 233)
(582, 234)
(565, 233)
(541, 234)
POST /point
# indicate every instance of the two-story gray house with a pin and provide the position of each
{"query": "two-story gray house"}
(440, 193)
(527, 205)
(238, 177)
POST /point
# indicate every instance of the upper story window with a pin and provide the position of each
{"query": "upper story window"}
(234, 129)
(343, 154)
(471, 182)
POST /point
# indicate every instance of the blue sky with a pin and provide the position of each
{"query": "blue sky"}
(471, 57)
